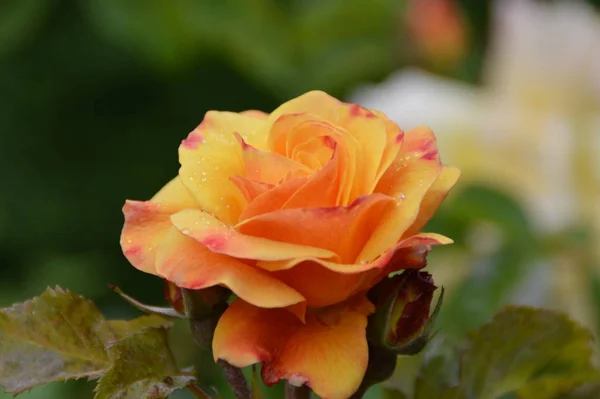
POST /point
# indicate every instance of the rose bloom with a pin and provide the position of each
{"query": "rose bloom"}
(299, 213)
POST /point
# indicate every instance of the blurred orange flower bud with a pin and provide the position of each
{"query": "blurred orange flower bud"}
(438, 30)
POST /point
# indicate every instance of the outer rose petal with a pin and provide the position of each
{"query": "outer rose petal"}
(409, 178)
(417, 240)
(255, 114)
(395, 137)
(188, 264)
(147, 222)
(370, 134)
(211, 154)
(434, 197)
(222, 239)
(343, 230)
(325, 283)
(329, 353)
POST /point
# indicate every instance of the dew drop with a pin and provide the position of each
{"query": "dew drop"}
(217, 167)
(129, 241)
(204, 173)
(190, 178)
(204, 179)
(401, 197)
(185, 231)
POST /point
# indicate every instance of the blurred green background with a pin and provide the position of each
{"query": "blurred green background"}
(96, 95)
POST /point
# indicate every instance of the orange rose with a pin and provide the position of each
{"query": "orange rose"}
(299, 213)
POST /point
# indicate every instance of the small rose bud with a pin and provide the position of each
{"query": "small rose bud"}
(402, 322)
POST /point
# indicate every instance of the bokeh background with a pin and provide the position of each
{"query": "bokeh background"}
(96, 95)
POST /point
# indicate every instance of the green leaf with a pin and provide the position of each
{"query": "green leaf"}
(434, 378)
(538, 353)
(54, 337)
(591, 391)
(493, 277)
(143, 367)
(19, 19)
(391, 393)
(452, 393)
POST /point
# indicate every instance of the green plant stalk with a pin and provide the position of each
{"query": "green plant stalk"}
(293, 392)
(203, 321)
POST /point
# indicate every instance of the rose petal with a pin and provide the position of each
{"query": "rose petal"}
(208, 158)
(324, 282)
(273, 199)
(189, 264)
(408, 178)
(316, 105)
(255, 114)
(222, 239)
(370, 133)
(395, 137)
(331, 344)
(343, 230)
(434, 197)
(250, 189)
(146, 223)
(334, 182)
(269, 167)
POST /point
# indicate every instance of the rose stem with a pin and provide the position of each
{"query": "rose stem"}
(292, 392)
(203, 321)
(236, 380)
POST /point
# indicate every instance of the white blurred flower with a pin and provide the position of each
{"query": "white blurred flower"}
(533, 127)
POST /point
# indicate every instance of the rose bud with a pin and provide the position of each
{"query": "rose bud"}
(402, 322)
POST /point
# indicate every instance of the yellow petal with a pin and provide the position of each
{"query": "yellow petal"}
(408, 178)
(189, 264)
(222, 239)
(329, 353)
(146, 223)
(342, 230)
(435, 196)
